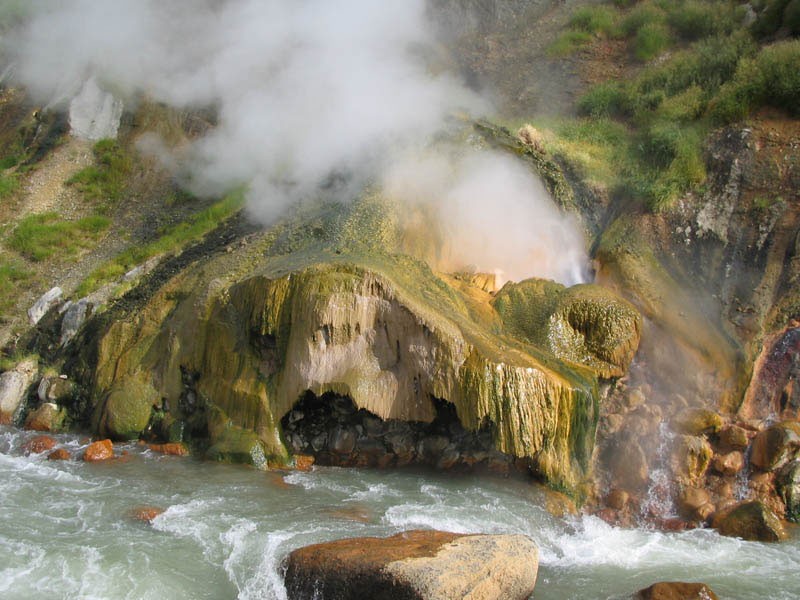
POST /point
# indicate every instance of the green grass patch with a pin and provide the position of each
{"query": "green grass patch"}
(104, 182)
(171, 240)
(651, 40)
(12, 274)
(771, 78)
(597, 20)
(568, 42)
(8, 185)
(37, 237)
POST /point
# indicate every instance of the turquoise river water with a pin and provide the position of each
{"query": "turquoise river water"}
(65, 530)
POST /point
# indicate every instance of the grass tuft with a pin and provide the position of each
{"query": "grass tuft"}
(37, 237)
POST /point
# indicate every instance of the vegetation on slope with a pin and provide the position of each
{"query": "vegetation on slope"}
(705, 66)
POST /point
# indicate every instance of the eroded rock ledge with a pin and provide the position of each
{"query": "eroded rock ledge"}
(415, 565)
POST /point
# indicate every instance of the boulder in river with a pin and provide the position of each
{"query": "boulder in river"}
(415, 565)
(39, 444)
(97, 451)
(752, 521)
(676, 590)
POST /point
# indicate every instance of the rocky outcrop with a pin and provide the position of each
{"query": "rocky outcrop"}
(94, 114)
(226, 345)
(416, 565)
(47, 301)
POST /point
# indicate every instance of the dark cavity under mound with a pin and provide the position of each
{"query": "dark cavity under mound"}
(336, 433)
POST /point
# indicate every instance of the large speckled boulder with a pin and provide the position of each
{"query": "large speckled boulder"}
(776, 446)
(751, 521)
(415, 565)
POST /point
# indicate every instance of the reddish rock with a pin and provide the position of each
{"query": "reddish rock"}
(97, 451)
(48, 417)
(677, 590)
(59, 454)
(735, 437)
(145, 513)
(728, 464)
(776, 446)
(695, 504)
(172, 449)
(39, 444)
(673, 524)
(303, 462)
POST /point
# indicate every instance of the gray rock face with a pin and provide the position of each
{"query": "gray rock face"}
(419, 565)
(74, 317)
(14, 386)
(48, 300)
(94, 114)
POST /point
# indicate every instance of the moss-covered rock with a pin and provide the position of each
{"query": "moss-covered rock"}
(127, 408)
(584, 324)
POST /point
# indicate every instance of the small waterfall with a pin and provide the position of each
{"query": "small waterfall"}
(658, 501)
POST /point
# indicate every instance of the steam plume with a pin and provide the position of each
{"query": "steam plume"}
(303, 88)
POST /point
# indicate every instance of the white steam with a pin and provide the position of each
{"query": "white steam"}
(495, 216)
(309, 94)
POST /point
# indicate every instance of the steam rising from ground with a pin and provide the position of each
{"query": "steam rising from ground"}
(494, 214)
(311, 95)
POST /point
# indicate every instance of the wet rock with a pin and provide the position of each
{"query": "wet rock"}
(776, 446)
(145, 513)
(303, 462)
(39, 444)
(59, 454)
(342, 440)
(787, 484)
(628, 466)
(728, 464)
(100, 450)
(735, 437)
(48, 417)
(690, 459)
(239, 446)
(55, 388)
(172, 449)
(676, 590)
(762, 487)
(14, 386)
(752, 521)
(559, 505)
(617, 499)
(698, 421)
(415, 565)
(695, 504)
